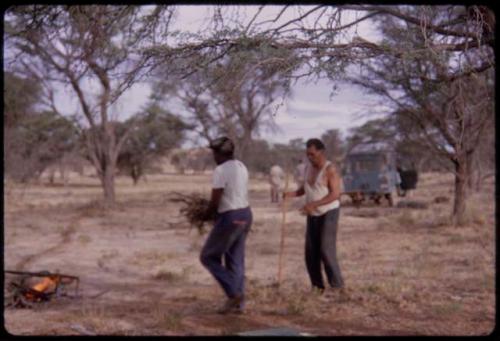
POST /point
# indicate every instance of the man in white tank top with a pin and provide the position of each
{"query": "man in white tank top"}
(321, 187)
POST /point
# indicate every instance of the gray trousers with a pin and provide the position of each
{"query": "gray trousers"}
(321, 239)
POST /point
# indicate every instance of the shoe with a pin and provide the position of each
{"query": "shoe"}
(317, 290)
(234, 305)
(335, 291)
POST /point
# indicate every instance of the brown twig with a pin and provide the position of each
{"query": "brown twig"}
(194, 208)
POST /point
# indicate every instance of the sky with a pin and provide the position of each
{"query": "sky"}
(309, 112)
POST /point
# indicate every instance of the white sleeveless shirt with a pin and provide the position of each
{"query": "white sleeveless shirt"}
(317, 191)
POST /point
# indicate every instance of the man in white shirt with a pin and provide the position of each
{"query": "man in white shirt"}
(229, 203)
(276, 178)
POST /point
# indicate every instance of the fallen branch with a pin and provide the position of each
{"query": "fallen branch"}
(194, 209)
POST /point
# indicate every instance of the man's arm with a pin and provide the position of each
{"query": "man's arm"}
(294, 194)
(214, 202)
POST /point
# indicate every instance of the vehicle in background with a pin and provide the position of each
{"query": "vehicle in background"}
(370, 171)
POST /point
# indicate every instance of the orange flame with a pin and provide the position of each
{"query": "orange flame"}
(48, 283)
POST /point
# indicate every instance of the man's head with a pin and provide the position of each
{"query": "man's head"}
(315, 151)
(223, 149)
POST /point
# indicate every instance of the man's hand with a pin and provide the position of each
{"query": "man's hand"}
(308, 208)
(288, 195)
(209, 215)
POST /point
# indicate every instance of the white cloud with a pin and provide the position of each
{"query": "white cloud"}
(313, 110)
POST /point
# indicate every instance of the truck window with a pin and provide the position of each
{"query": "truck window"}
(347, 168)
(366, 165)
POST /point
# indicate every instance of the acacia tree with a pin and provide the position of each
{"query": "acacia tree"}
(484, 162)
(20, 98)
(155, 132)
(235, 96)
(21, 95)
(96, 51)
(443, 85)
(397, 131)
(33, 140)
(332, 138)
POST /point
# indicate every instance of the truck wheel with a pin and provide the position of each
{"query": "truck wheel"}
(401, 192)
(388, 196)
(357, 198)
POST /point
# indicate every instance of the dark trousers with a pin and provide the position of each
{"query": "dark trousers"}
(227, 240)
(321, 239)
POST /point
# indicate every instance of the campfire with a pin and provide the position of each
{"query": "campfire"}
(30, 288)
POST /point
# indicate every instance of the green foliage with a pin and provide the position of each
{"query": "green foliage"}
(32, 140)
(399, 132)
(40, 139)
(232, 91)
(376, 130)
(334, 144)
(154, 133)
(261, 156)
(20, 97)
(196, 160)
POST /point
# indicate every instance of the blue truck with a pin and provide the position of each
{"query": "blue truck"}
(370, 172)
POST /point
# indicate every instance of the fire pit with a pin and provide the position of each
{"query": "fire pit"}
(30, 288)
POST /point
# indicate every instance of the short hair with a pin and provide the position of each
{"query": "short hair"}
(316, 143)
(222, 145)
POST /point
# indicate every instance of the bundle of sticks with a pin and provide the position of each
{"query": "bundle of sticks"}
(194, 209)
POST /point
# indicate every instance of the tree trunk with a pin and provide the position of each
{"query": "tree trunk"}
(459, 204)
(472, 171)
(62, 172)
(135, 175)
(52, 174)
(108, 183)
(420, 164)
(242, 146)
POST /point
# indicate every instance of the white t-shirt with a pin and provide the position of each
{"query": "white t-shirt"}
(231, 175)
(276, 176)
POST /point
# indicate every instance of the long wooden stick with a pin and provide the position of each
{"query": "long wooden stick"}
(283, 224)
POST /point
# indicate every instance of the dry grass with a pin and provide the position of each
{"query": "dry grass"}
(94, 318)
(475, 214)
(420, 205)
(84, 239)
(268, 250)
(441, 199)
(164, 319)
(364, 213)
(171, 276)
(407, 271)
(150, 257)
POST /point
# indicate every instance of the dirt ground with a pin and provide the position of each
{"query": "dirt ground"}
(407, 270)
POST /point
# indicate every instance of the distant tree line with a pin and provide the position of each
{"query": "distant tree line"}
(36, 140)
